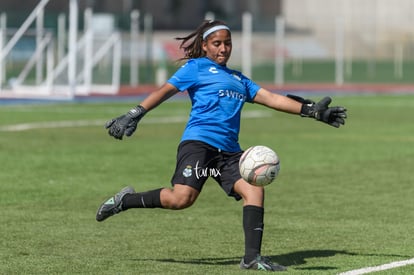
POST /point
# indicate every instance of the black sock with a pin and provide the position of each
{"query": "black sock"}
(253, 231)
(150, 199)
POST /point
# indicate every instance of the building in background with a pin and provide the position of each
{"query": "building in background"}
(167, 14)
(358, 38)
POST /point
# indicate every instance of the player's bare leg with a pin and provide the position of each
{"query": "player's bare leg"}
(251, 195)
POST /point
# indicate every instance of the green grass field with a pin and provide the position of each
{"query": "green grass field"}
(343, 199)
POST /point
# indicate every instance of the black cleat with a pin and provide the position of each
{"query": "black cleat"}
(261, 263)
(113, 205)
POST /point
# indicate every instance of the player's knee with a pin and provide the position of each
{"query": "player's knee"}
(252, 195)
(179, 197)
(182, 202)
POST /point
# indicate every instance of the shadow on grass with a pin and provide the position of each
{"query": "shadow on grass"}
(290, 259)
(299, 257)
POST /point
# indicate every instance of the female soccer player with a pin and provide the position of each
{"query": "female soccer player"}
(210, 139)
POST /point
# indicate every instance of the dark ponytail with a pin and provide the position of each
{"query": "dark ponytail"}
(193, 49)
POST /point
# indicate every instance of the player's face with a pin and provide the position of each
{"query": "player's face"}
(218, 46)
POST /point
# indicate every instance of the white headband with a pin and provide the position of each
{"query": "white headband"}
(214, 29)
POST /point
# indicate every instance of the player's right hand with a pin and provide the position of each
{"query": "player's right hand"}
(125, 124)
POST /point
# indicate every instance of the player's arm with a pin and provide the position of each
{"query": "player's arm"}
(127, 124)
(334, 116)
(158, 96)
(277, 102)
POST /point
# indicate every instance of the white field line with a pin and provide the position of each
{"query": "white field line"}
(86, 123)
(366, 270)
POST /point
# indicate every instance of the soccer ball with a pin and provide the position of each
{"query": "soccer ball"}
(259, 165)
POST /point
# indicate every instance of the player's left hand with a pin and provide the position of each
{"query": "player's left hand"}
(334, 116)
(125, 124)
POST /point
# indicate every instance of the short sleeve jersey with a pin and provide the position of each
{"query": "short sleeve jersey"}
(217, 95)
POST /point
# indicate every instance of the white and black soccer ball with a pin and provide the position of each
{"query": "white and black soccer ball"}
(259, 165)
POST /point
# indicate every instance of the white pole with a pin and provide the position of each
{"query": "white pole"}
(116, 63)
(374, 32)
(50, 63)
(246, 49)
(61, 36)
(339, 50)
(39, 38)
(279, 48)
(348, 20)
(148, 29)
(3, 30)
(73, 29)
(2, 65)
(88, 53)
(398, 60)
(134, 48)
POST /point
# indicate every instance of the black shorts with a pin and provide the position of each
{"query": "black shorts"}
(197, 161)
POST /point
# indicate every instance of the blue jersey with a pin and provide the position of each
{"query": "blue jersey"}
(217, 95)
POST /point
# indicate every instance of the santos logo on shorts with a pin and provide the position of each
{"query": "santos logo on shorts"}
(188, 171)
(200, 172)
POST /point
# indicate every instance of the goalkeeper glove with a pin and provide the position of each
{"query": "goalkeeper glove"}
(125, 124)
(334, 116)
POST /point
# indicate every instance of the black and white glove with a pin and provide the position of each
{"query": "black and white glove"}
(125, 124)
(334, 116)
